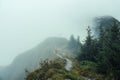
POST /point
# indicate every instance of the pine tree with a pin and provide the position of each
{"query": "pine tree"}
(72, 42)
(109, 55)
(74, 45)
(78, 46)
(88, 49)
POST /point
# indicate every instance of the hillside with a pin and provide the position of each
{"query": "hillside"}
(30, 59)
(97, 58)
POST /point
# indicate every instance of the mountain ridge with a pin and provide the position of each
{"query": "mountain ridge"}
(30, 59)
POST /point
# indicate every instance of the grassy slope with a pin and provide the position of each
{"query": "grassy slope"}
(54, 70)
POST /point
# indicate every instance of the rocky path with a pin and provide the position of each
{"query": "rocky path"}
(68, 65)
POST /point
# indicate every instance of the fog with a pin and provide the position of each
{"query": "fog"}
(25, 23)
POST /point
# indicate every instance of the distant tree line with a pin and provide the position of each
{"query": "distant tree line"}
(74, 44)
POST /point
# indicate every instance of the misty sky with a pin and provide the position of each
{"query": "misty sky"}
(25, 23)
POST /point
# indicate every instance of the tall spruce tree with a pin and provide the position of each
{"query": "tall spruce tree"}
(78, 46)
(74, 44)
(109, 55)
(88, 49)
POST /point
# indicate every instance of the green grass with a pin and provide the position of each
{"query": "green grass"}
(54, 70)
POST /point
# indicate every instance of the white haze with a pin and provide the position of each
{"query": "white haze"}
(25, 23)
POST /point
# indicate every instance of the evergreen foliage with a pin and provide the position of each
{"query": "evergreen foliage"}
(109, 55)
(99, 58)
(89, 48)
(104, 51)
(74, 44)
